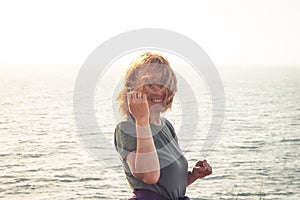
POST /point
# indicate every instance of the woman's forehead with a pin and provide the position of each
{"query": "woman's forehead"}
(153, 79)
(151, 76)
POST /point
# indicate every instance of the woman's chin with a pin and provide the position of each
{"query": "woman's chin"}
(157, 107)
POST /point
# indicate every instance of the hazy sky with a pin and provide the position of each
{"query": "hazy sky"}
(263, 32)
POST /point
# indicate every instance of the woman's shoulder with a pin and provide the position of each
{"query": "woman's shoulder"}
(127, 125)
(167, 122)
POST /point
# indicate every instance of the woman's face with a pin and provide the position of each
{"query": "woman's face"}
(152, 84)
(156, 94)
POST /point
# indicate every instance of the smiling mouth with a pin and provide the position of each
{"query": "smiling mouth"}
(157, 99)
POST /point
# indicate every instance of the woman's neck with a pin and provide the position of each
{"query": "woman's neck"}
(155, 118)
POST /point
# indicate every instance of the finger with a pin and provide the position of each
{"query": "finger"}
(199, 163)
(144, 97)
(209, 169)
(139, 96)
(201, 170)
(205, 165)
(133, 96)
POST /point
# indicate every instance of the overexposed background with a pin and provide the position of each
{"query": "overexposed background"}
(254, 45)
(231, 31)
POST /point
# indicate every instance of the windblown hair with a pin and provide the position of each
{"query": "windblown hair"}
(148, 65)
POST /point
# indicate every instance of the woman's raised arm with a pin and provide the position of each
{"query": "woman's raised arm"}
(143, 162)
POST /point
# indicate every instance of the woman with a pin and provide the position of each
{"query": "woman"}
(147, 144)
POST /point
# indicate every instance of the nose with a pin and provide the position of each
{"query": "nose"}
(157, 89)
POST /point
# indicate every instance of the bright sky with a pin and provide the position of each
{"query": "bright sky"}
(263, 32)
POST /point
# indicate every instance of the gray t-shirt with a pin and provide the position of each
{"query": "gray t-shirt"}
(173, 174)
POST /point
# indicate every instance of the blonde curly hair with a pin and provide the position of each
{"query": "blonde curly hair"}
(150, 65)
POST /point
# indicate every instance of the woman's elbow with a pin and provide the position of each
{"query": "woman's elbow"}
(152, 178)
(149, 177)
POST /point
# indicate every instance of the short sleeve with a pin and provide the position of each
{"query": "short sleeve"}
(124, 139)
(171, 128)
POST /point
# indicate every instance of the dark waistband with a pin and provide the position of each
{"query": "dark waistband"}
(142, 194)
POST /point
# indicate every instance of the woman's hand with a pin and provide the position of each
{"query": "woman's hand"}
(201, 169)
(138, 107)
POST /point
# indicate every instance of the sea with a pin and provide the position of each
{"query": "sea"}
(43, 154)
